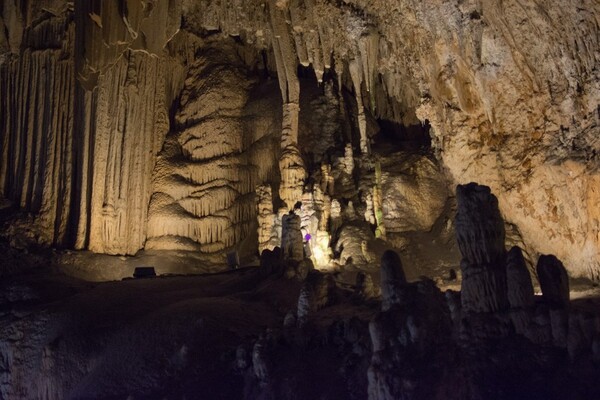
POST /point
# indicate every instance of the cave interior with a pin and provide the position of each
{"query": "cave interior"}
(299, 199)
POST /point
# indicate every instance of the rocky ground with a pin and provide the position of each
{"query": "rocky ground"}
(283, 330)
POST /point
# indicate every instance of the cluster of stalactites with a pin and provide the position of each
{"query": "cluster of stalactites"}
(306, 33)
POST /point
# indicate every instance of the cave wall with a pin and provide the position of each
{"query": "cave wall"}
(513, 102)
(510, 89)
(37, 86)
(85, 111)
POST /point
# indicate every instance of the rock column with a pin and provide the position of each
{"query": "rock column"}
(291, 165)
(480, 235)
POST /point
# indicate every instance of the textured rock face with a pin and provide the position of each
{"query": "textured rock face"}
(414, 193)
(219, 152)
(91, 189)
(291, 237)
(122, 62)
(37, 88)
(554, 281)
(392, 280)
(508, 108)
(516, 114)
(480, 237)
(518, 280)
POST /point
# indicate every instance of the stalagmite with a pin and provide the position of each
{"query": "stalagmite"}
(357, 77)
(261, 361)
(220, 161)
(271, 261)
(392, 280)
(291, 237)
(520, 291)
(267, 235)
(518, 280)
(554, 281)
(480, 237)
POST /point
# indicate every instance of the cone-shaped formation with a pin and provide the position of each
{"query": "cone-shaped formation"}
(480, 236)
(554, 281)
(479, 225)
(291, 237)
(518, 280)
(392, 279)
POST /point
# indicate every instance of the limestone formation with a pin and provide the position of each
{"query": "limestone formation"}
(293, 174)
(267, 235)
(291, 237)
(554, 281)
(402, 337)
(261, 362)
(459, 68)
(271, 261)
(413, 193)
(480, 237)
(365, 288)
(352, 245)
(518, 280)
(316, 293)
(392, 280)
(479, 225)
(206, 174)
(210, 127)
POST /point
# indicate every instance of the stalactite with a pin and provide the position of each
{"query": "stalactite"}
(357, 78)
(380, 231)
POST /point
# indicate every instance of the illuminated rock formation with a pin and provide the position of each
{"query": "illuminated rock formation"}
(267, 235)
(413, 193)
(103, 81)
(291, 237)
(206, 176)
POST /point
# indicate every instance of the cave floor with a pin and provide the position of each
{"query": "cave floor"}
(179, 333)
